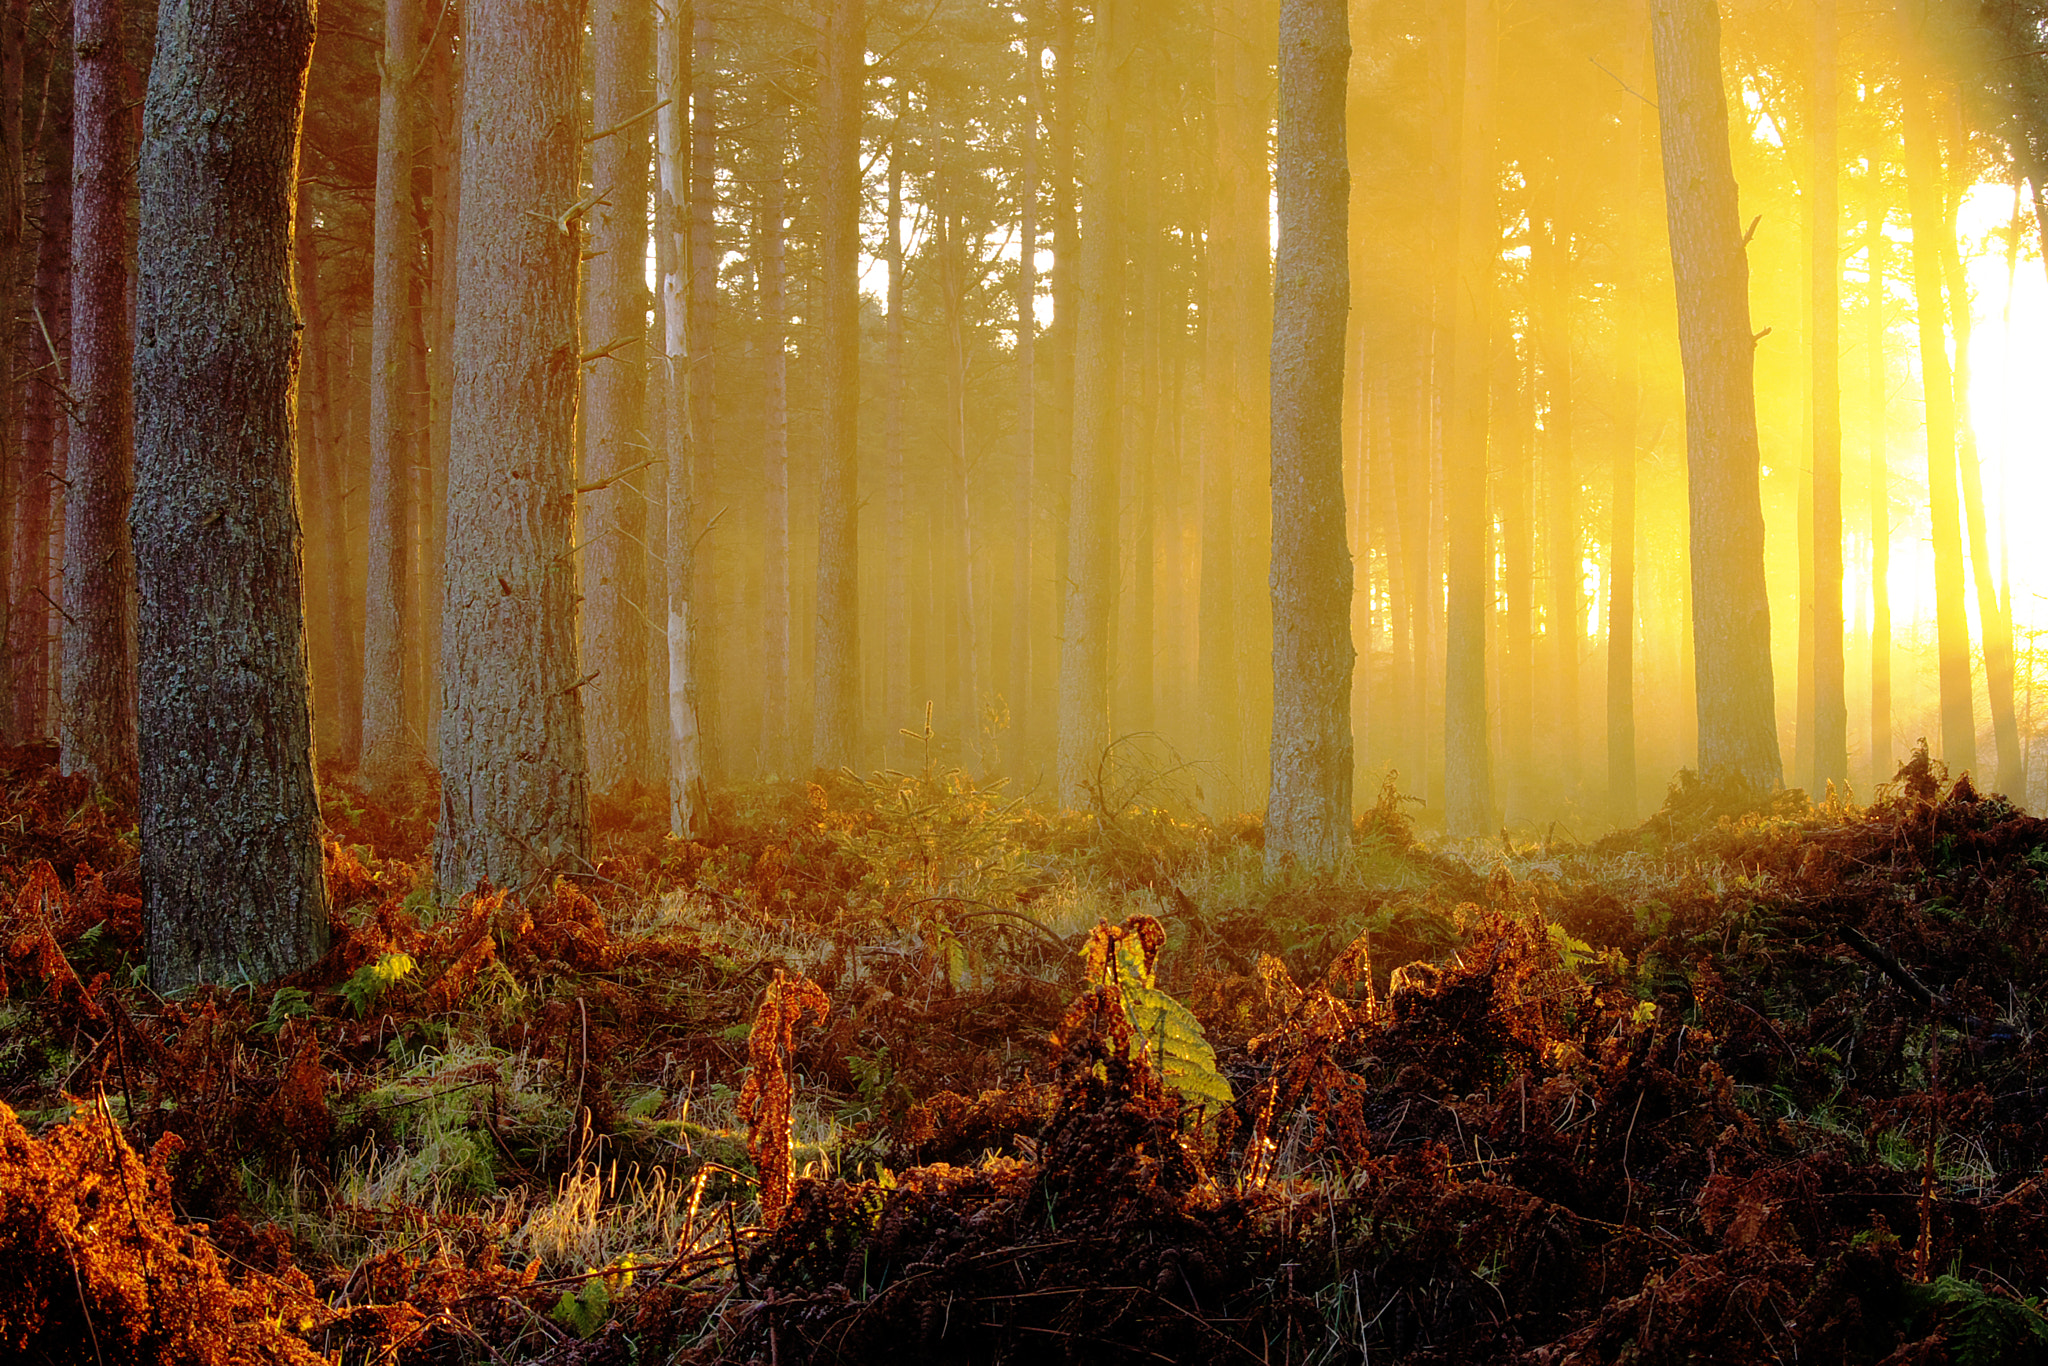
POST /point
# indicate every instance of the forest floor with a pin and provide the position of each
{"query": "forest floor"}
(900, 1069)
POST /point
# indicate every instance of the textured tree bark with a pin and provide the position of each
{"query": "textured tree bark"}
(231, 865)
(32, 622)
(1830, 701)
(1308, 810)
(514, 803)
(1951, 618)
(1731, 614)
(1468, 766)
(777, 749)
(688, 804)
(97, 711)
(1878, 490)
(389, 725)
(615, 516)
(1091, 528)
(835, 716)
(13, 244)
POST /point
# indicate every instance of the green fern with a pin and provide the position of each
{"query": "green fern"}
(584, 1314)
(369, 982)
(1170, 1035)
(1983, 1329)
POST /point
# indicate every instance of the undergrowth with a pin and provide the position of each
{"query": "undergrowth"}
(901, 1068)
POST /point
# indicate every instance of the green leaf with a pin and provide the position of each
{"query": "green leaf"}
(584, 1314)
(1169, 1033)
(1983, 1329)
(370, 981)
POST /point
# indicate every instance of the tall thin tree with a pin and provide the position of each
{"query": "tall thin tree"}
(1308, 812)
(616, 446)
(1830, 703)
(836, 656)
(1092, 507)
(97, 709)
(514, 801)
(1710, 267)
(1468, 768)
(388, 720)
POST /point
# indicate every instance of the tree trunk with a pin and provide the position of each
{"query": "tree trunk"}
(708, 570)
(1993, 617)
(231, 867)
(1236, 416)
(1061, 115)
(615, 515)
(514, 800)
(1468, 770)
(1024, 513)
(1621, 564)
(1951, 619)
(776, 748)
(32, 622)
(98, 689)
(1830, 702)
(688, 802)
(1550, 263)
(1512, 405)
(1731, 613)
(320, 453)
(388, 723)
(899, 699)
(1879, 489)
(836, 671)
(1308, 811)
(1091, 532)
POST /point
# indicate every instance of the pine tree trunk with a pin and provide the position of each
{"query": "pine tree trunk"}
(775, 724)
(1993, 617)
(1731, 612)
(231, 865)
(1951, 619)
(98, 689)
(1830, 702)
(836, 671)
(514, 800)
(1468, 772)
(331, 640)
(1091, 530)
(689, 805)
(1513, 447)
(1621, 566)
(1551, 285)
(899, 699)
(1308, 811)
(1882, 759)
(388, 725)
(1062, 112)
(1024, 513)
(615, 516)
(33, 623)
(708, 576)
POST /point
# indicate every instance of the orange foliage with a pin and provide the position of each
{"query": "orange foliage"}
(765, 1098)
(93, 1262)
